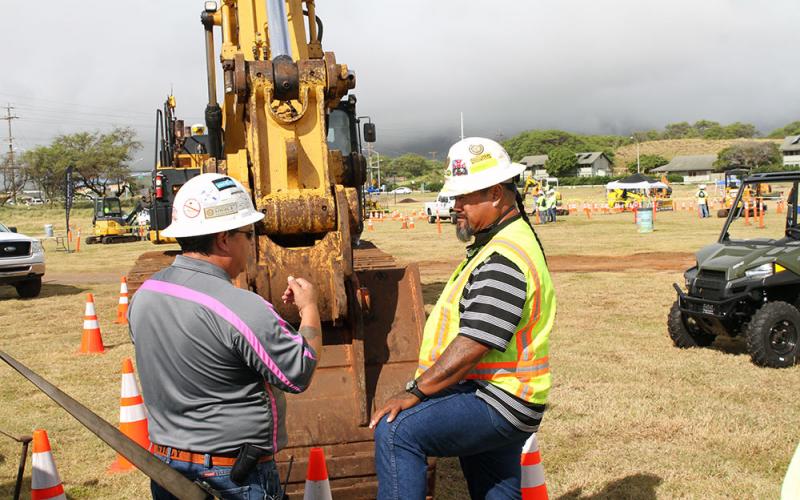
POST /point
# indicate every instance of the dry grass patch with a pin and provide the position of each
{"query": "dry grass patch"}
(630, 416)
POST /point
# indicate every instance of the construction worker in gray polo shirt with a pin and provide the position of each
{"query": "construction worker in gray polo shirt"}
(214, 359)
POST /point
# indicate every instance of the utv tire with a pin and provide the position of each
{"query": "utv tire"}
(684, 332)
(772, 335)
(431, 219)
(29, 289)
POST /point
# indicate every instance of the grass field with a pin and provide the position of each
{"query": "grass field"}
(629, 416)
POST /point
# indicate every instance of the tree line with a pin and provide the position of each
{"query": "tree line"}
(99, 161)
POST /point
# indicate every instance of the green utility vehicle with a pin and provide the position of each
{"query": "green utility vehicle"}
(748, 282)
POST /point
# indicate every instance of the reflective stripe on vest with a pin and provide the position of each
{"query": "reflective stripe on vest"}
(523, 369)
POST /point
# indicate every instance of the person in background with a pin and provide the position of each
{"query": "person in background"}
(702, 201)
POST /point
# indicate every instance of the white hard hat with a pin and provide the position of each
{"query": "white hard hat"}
(702, 186)
(208, 204)
(477, 163)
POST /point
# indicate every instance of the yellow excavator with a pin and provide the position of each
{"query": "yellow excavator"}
(181, 152)
(287, 129)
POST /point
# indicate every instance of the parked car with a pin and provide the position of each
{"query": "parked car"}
(21, 262)
(34, 201)
(402, 190)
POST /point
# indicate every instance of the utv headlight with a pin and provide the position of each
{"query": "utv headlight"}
(760, 272)
(36, 247)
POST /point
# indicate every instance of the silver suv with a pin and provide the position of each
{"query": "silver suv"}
(21, 262)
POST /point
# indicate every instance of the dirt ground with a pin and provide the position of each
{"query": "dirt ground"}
(644, 261)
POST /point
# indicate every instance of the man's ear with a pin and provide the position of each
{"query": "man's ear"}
(221, 241)
(497, 195)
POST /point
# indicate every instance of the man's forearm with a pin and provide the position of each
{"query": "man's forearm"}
(456, 361)
(311, 329)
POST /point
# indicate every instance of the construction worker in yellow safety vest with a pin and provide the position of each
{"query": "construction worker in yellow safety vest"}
(702, 201)
(551, 205)
(541, 207)
(483, 378)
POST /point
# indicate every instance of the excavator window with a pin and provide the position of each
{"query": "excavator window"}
(339, 131)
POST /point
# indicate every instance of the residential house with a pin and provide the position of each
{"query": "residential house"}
(534, 166)
(593, 164)
(589, 165)
(693, 168)
(791, 150)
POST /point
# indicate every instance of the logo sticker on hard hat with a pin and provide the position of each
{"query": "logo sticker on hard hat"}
(221, 210)
(459, 168)
(476, 149)
(224, 183)
(191, 208)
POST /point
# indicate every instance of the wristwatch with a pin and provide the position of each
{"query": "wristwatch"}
(411, 387)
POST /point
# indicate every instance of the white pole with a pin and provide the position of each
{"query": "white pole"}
(462, 125)
(638, 166)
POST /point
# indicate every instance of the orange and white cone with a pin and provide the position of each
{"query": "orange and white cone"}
(92, 341)
(122, 307)
(132, 417)
(317, 485)
(532, 484)
(411, 223)
(45, 483)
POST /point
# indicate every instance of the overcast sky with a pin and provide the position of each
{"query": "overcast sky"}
(591, 66)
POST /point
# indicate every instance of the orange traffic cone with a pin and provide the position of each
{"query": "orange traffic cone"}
(132, 418)
(45, 483)
(122, 308)
(317, 485)
(370, 226)
(532, 484)
(91, 342)
(404, 224)
(411, 223)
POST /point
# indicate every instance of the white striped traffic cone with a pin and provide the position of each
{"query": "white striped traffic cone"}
(45, 483)
(92, 341)
(132, 417)
(532, 484)
(122, 307)
(317, 485)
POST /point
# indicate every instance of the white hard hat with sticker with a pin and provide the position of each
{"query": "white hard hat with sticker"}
(477, 163)
(208, 204)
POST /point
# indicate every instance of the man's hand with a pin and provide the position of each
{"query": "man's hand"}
(397, 403)
(300, 293)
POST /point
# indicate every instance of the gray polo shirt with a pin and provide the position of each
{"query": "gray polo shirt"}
(214, 360)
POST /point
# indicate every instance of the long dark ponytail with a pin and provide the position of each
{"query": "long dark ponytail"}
(521, 208)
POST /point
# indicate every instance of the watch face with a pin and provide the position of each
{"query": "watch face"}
(410, 385)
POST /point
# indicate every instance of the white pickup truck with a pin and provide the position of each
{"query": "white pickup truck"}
(443, 207)
(21, 262)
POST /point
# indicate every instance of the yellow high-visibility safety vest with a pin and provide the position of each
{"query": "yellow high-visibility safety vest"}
(523, 369)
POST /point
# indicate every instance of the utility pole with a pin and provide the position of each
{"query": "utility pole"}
(10, 167)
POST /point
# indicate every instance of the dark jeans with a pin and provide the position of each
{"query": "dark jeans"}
(703, 210)
(262, 484)
(453, 423)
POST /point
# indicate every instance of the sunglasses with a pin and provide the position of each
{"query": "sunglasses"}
(248, 234)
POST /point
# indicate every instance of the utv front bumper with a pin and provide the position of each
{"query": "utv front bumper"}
(719, 309)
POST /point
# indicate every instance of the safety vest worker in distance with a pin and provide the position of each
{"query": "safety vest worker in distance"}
(523, 369)
(701, 197)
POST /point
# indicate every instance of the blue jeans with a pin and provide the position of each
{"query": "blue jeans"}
(262, 484)
(703, 210)
(454, 422)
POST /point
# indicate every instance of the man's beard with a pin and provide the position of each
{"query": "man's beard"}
(464, 232)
